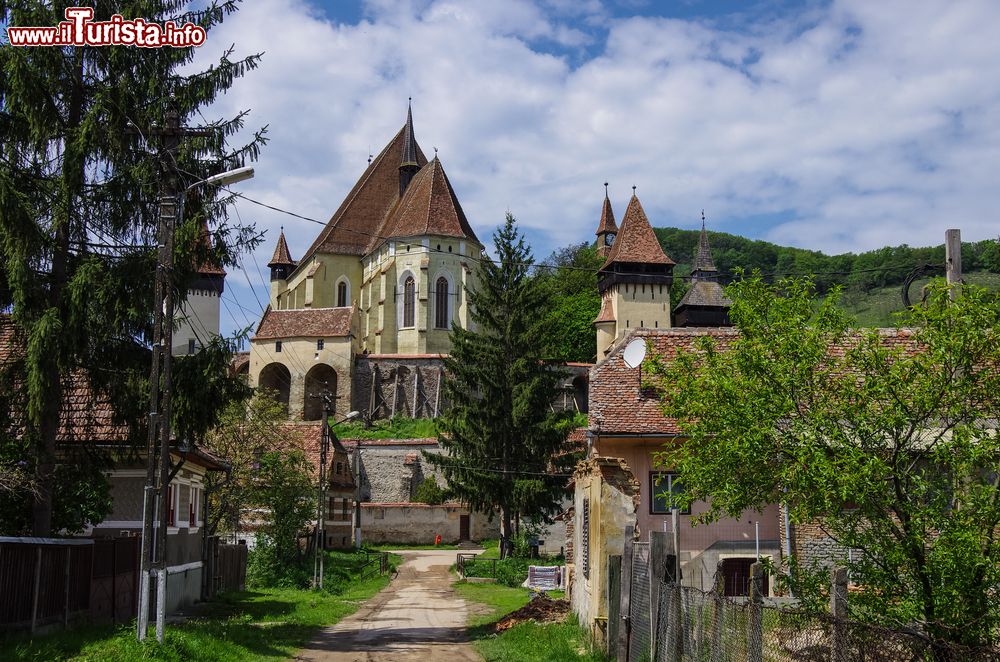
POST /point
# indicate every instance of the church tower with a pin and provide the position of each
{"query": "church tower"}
(281, 265)
(197, 317)
(606, 229)
(705, 303)
(634, 282)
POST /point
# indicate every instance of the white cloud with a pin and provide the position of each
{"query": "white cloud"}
(863, 123)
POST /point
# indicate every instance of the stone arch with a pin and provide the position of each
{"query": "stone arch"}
(320, 378)
(276, 378)
(581, 394)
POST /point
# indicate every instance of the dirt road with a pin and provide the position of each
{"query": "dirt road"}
(417, 616)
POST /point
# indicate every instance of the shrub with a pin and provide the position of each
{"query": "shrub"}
(429, 492)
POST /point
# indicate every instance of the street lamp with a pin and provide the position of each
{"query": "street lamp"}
(324, 447)
(162, 352)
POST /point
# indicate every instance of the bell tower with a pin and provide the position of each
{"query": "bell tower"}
(634, 282)
(606, 229)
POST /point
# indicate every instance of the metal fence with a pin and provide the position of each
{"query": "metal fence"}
(701, 626)
(639, 610)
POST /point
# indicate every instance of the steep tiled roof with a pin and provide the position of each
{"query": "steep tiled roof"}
(351, 228)
(607, 223)
(281, 255)
(305, 322)
(636, 242)
(606, 314)
(410, 148)
(618, 407)
(208, 268)
(429, 206)
(705, 293)
(703, 256)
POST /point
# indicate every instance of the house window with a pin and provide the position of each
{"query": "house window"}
(441, 304)
(341, 294)
(171, 506)
(194, 505)
(319, 345)
(585, 538)
(277, 345)
(340, 467)
(664, 490)
(409, 303)
(190, 345)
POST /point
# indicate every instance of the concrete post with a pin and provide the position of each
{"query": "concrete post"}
(755, 624)
(838, 610)
(626, 595)
(719, 615)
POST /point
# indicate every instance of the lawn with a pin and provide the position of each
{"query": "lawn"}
(526, 642)
(262, 624)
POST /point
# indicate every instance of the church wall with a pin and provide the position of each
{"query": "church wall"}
(398, 379)
(299, 355)
(640, 306)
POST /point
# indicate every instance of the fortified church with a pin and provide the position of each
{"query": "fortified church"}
(366, 311)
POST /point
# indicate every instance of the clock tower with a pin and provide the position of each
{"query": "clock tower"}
(606, 230)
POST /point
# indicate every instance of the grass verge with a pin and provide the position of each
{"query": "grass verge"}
(525, 642)
(261, 624)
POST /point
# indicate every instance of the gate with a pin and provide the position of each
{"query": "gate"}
(115, 580)
(640, 636)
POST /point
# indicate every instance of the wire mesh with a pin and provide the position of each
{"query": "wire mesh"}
(695, 625)
(639, 605)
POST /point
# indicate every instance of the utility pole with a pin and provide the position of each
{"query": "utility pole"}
(953, 261)
(320, 537)
(155, 505)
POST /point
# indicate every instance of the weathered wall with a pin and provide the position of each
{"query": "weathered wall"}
(418, 524)
(392, 469)
(396, 381)
(811, 545)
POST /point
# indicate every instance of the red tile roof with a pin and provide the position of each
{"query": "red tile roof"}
(305, 323)
(607, 314)
(353, 227)
(208, 268)
(281, 256)
(429, 206)
(636, 242)
(607, 223)
(618, 407)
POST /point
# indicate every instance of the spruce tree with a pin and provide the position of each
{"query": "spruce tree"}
(505, 447)
(79, 182)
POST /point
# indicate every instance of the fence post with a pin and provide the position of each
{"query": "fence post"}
(626, 595)
(34, 597)
(718, 621)
(755, 625)
(66, 595)
(838, 609)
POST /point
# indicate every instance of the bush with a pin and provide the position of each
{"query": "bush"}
(265, 568)
(429, 492)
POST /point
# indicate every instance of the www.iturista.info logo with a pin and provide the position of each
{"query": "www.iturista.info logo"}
(79, 29)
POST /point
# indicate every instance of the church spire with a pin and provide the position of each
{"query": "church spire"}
(606, 229)
(408, 165)
(281, 263)
(703, 262)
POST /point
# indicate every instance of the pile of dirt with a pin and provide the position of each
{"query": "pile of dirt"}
(541, 609)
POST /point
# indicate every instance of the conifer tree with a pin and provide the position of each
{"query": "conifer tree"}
(505, 446)
(79, 182)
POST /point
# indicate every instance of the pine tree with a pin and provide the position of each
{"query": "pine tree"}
(79, 182)
(505, 446)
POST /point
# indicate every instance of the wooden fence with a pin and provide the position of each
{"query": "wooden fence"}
(44, 581)
(115, 579)
(225, 568)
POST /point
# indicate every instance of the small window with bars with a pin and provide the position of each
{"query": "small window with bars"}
(585, 538)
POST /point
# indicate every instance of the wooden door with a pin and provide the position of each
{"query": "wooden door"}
(463, 527)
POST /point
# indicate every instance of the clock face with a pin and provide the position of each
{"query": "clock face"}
(609, 238)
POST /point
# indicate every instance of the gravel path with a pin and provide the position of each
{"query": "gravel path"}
(417, 617)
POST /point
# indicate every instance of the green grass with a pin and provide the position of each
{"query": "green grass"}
(880, 306)
(390, 547)
(526, 642)
(396, 428)
(262, 624)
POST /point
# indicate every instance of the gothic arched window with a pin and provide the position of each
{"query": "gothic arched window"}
(341, 294)
(409, 303)
(441, 304)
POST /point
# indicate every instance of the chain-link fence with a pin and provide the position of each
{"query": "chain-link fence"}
(708, 626)
(640, 609)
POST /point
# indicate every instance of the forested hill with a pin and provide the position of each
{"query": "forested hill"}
(859, 272)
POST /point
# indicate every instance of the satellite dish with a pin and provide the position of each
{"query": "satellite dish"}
(634, 353)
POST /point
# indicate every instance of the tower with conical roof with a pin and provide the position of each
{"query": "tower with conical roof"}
(606, 229)
(634, 282)
(705, 303)
(281, 264)
(198, 316)
(408, 166)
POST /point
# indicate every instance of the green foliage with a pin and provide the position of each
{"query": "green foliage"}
(399, 427)
(429, 492)
(502, 440)
(79, 204)
(895, 451)
(284, 489)
(568, 325)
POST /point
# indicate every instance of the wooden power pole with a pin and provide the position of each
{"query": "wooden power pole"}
(953, 261)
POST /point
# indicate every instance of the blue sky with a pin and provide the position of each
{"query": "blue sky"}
(841, 125)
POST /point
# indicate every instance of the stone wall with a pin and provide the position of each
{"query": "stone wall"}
(403, 386)
(812, 546)
(418, 523)
(392, 469)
